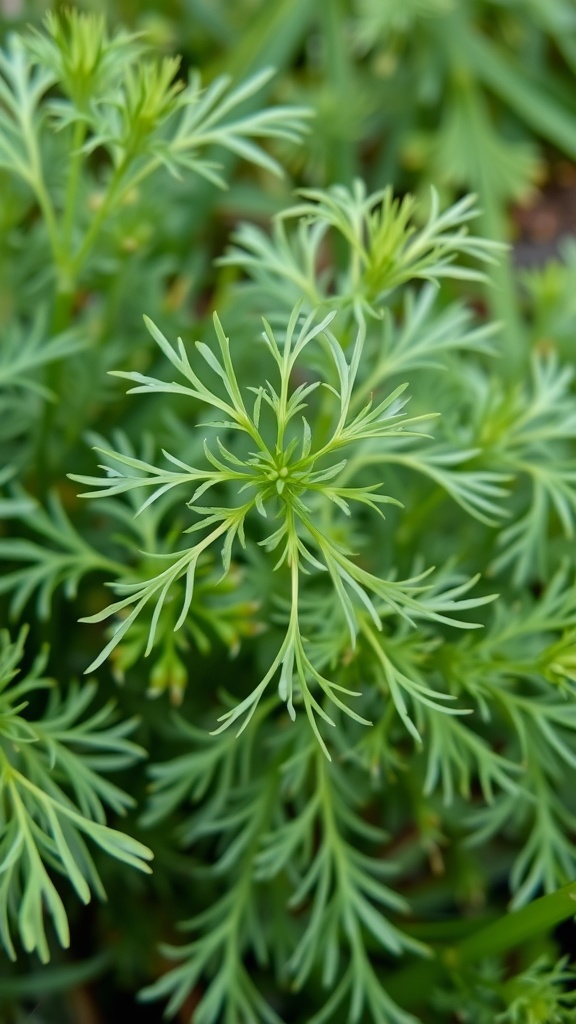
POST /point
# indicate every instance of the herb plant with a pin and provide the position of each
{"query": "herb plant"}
(322, 556)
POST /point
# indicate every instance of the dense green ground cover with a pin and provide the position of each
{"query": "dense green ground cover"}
(287, 682)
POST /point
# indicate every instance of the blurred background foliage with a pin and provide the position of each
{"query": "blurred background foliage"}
(466, 95)
(470, 95)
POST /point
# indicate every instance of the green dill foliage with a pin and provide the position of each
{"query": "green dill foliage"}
(289, 479)
(384, 246)
(461, 96)
(53, 801)
(542, 992)
(89, 123)
(315, 602)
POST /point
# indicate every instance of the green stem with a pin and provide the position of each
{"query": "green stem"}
(413, 985)
(99, 218)
(65, 277)
(38, 185)
(36, 177)
(73, 182)
(515, 929)
(117, 187)
(47, 209)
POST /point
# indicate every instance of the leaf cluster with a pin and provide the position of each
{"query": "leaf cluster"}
(53, 801)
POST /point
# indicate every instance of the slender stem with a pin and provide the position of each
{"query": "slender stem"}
(66, 278)
(45, 204)
(76, 159)
(283, 405)
(100, 216)
(412, 985)
(36, 180)
(515, 929)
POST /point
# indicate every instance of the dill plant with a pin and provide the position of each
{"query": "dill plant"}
(338, 531)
